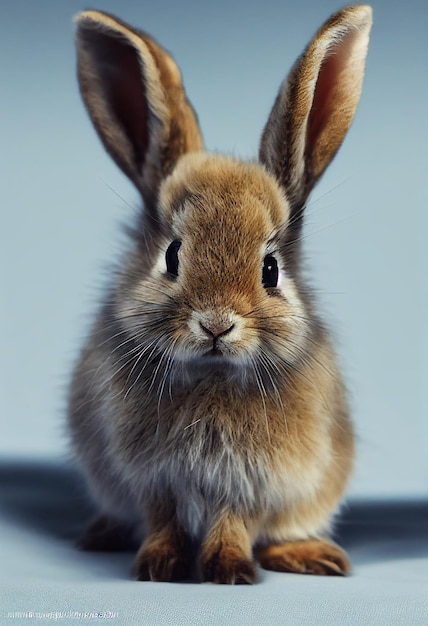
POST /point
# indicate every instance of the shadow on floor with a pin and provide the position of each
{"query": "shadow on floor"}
(50, 498)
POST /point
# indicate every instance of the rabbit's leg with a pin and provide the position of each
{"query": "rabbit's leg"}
(167, 553)
(226, 555)
(106, 534)
(313, 556)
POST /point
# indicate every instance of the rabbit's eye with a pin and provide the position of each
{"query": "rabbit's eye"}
(171, 257)
(270, 272)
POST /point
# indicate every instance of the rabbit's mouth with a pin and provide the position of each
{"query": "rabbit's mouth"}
(215, 353)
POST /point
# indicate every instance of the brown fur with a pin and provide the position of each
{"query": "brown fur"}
(167, 554)
(305, 557)
(226, 555)
(207, 408)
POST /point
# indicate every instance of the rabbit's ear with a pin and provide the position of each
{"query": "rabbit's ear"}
(134, 95)
(316, 104)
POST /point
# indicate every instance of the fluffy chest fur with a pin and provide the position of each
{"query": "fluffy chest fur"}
(236, 448)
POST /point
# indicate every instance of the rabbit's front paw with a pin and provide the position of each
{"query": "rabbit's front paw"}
(163, 560)
(228, 566)
(305, 557)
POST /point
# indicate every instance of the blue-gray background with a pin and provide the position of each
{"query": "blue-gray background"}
(366, 226)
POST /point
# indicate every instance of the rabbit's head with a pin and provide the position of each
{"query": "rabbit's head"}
(214, 280)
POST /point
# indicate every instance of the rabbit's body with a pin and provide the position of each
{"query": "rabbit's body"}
(207, 407)
(207, 431)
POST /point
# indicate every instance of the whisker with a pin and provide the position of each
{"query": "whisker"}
(262, 391)
(140, 356)
(328, 192)
(133, 207)
(156, 343)
(169, 363)
(320, 230)
(267, 361)
(192, 424)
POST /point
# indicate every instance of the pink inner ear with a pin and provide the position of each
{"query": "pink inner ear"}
(122, 81)
(333, 102)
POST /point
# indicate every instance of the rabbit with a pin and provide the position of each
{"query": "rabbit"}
(207, 410)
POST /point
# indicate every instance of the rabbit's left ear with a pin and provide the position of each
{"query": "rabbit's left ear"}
(316, 104)
(133, 91)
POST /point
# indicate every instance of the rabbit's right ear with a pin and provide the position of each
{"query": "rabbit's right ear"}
(315, 105)
(134, 95)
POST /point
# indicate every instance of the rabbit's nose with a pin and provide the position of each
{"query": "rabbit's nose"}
(215, 329)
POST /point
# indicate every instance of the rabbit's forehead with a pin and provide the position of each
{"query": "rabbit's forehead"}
(209, 190)
(213, 215)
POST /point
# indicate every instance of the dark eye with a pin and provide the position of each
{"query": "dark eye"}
(270, 271)
(171, 257)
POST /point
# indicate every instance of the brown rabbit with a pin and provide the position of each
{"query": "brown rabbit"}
(207, 410)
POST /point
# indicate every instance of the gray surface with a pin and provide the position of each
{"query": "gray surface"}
(366, 228)
(43, 509)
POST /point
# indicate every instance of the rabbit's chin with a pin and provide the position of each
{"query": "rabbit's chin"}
(191, 372)
(215, 360)
(240, 370)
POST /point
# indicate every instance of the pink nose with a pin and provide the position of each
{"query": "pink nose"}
(214, 329)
